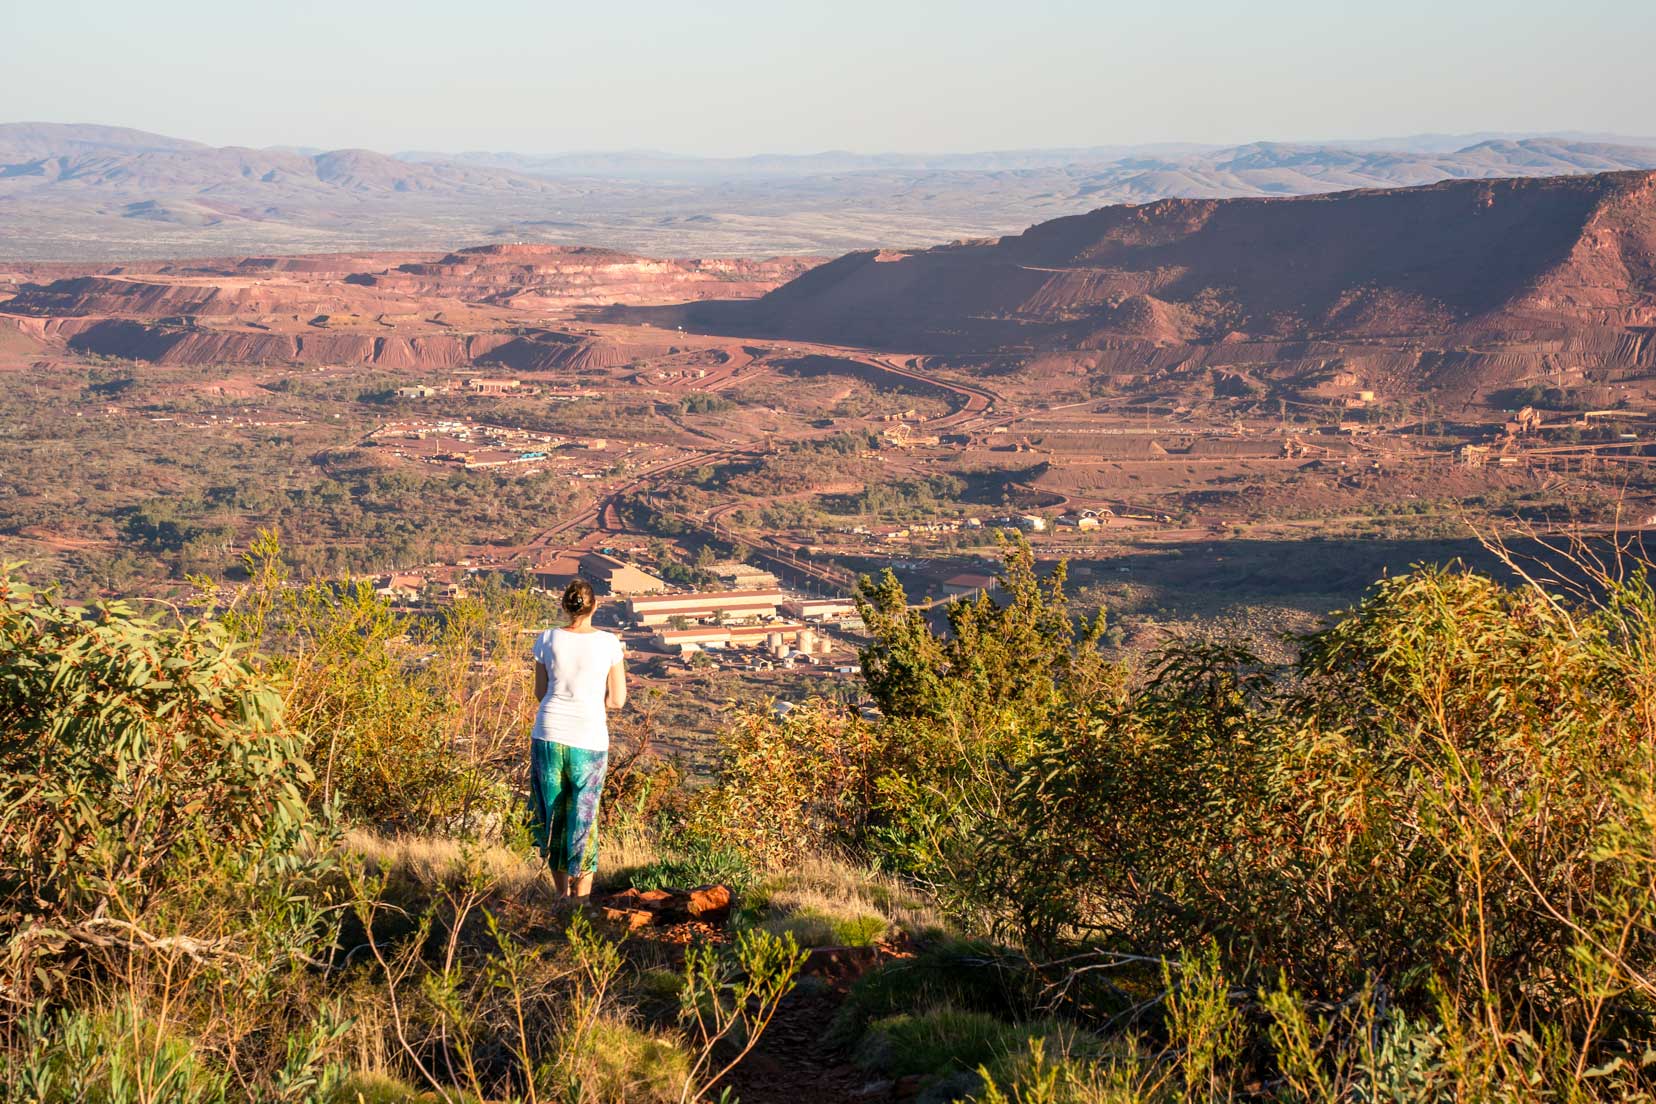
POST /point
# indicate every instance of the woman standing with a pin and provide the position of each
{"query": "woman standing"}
(579, 676)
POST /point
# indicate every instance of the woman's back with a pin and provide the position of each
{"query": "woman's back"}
(577, 666)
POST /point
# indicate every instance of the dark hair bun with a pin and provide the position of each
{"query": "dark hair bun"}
(578, 599)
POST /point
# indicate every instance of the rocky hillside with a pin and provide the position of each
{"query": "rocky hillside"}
(540, 277)
(1500, 255)
(400, 310)
(1462, 287)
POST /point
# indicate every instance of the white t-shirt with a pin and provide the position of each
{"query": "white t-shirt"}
(577, 667)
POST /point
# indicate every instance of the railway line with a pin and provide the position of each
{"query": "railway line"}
(604, 513)
(977, 402)
(773, 554)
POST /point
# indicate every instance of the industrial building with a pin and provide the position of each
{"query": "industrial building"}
(741, 576)
(779, 638)
(616, 576)
(821, 609)
(556, 572)
(736, 605)
(607, 574)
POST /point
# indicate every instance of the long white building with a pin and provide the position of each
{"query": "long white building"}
(733, 605)
(820, 609)
(703, 637)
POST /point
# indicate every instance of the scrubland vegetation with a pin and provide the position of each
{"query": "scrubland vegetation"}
(275, 852)
(146, 502)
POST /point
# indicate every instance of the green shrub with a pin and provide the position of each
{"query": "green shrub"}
(130, 745)
(377, 1088)
(796, 784)
(1442, 814)
(659, 989)
(113, 1056)
(1044, 1073)
(405, 717)
(171, 900)
(695, 858)
(1428, 793)
(964, 709)
(1002, 668)
(1450, 798)
(728, 1000)
(913, 792)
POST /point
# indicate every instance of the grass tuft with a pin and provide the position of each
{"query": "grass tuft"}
(623, 1062)
(956, 974)
(943, 1041)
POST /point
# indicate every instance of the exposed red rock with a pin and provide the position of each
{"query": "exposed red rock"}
(709, 901)
(549, 277)
(1460, 286)
(631, 919)
(646, 908)
(1552, 253)
(397, 311)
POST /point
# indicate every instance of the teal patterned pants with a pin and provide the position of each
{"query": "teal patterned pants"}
(565, 784)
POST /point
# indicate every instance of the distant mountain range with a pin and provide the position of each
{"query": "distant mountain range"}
(92, 192)
(654, 164)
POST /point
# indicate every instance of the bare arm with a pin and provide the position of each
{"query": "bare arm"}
(540, 681)
(616, 696)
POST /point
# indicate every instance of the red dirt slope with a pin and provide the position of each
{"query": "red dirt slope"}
(546, 277)
(1493, 256)
(400, 311)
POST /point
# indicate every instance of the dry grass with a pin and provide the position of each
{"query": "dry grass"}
(428, 862)
(623, 852)
(826, 901)
(823, 900)
(432, 862)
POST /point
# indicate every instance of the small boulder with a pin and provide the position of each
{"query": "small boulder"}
(630, 918)
(709, 903)
(653, 899)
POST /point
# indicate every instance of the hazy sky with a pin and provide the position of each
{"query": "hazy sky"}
(738, 77)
